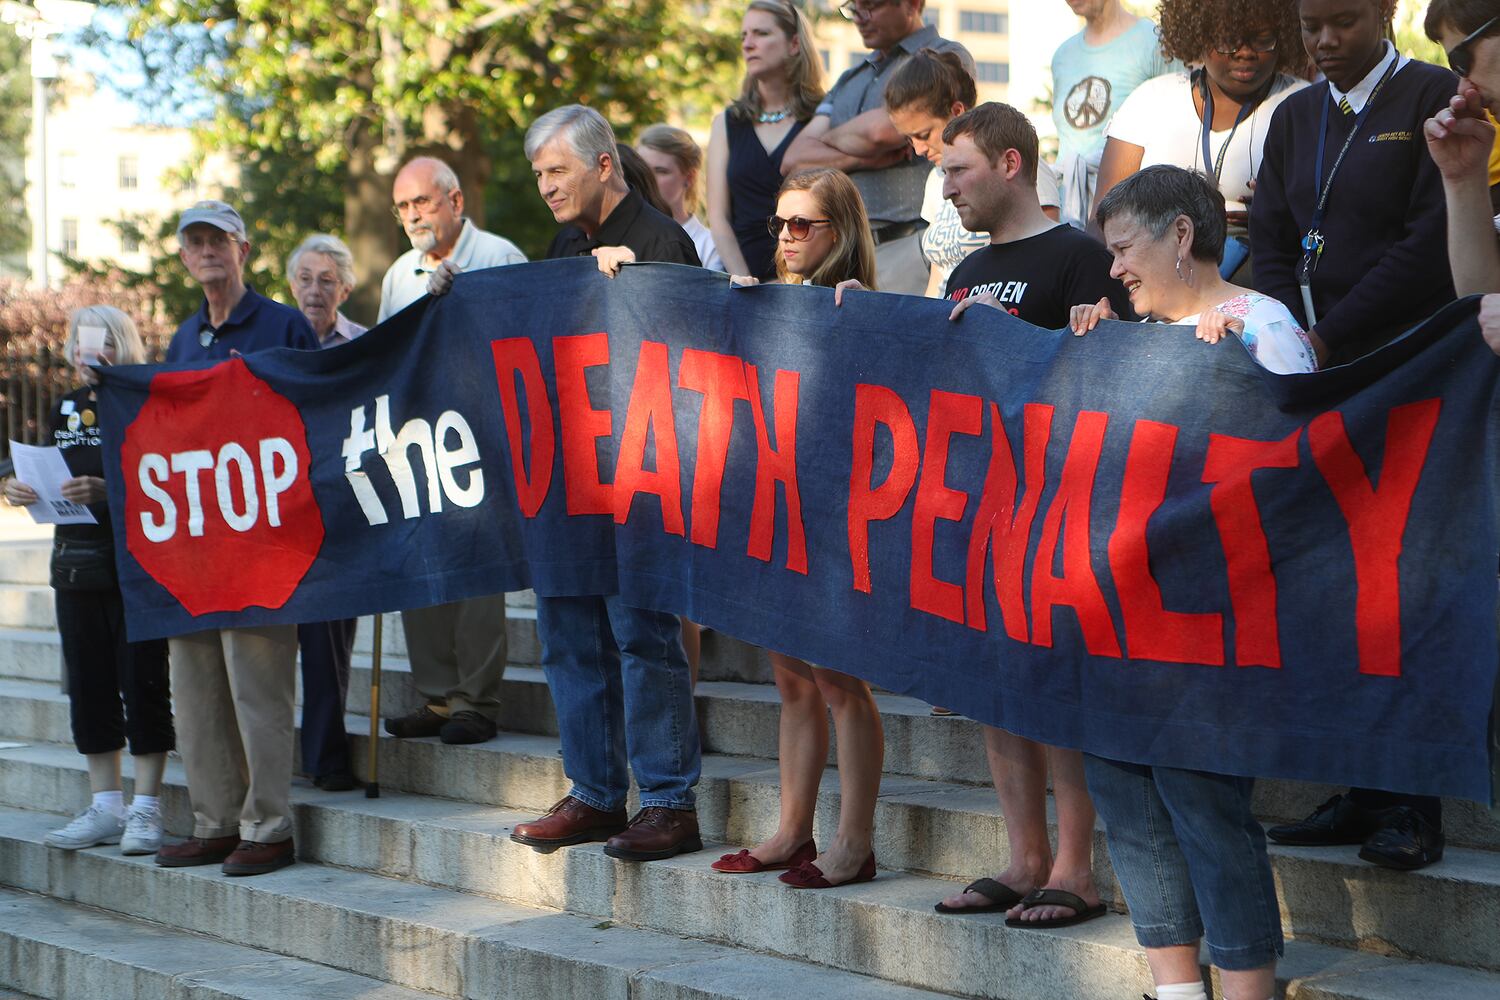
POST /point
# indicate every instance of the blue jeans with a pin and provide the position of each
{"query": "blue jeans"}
(1191, 858)
(620, 683)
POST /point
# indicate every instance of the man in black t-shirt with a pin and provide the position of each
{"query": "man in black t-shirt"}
(618, 674)
(1034, 268)
(1037, 270)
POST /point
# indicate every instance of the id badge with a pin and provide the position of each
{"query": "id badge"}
(1307, 304)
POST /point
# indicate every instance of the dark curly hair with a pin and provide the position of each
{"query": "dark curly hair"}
(1191, 28)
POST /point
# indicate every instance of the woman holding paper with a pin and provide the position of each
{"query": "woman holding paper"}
(822, 238)
(102, 667)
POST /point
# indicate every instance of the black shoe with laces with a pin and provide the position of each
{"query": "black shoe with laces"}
(1340, 820)
(1407, 840)
(423, 722)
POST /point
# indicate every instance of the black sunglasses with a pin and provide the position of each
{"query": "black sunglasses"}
(1460, 57)
(1263, 42)
(800, 228)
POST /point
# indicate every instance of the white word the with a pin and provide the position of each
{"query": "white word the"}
(440, 463)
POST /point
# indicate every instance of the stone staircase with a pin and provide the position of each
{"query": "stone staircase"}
(421, 893)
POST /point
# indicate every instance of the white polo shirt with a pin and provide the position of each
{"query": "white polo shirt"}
(406, 281)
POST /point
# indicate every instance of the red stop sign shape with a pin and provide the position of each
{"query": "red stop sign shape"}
(219, 507)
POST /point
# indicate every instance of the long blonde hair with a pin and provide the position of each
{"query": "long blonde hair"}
(129, 349)
(804, 69)
(853, 253)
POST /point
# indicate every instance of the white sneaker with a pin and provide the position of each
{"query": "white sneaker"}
(94, 825)
(142, 831)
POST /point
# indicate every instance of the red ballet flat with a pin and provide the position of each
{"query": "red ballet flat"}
(809, 876)
(745, 863)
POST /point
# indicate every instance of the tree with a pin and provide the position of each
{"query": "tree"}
(15, 124)
(343, 92)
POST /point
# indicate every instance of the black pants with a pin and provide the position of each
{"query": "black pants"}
(102, 668)
(327, 648)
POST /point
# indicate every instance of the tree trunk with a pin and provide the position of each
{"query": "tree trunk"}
(452, 134)
(374, 237)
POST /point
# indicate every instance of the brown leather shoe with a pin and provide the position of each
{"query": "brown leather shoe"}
(656, 832)
(196, 851)
(569, 822)
(251, 858)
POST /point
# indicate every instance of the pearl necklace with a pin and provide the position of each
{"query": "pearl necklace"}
(772, 117)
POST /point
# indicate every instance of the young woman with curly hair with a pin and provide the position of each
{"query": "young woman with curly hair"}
(1246, 59)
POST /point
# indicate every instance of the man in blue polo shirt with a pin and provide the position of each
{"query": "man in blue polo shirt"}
(233, 689)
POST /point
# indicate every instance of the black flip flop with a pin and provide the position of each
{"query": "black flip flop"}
(1003, 895)
(1082, 912)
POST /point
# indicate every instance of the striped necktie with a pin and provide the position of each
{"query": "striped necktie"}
(1345, 106)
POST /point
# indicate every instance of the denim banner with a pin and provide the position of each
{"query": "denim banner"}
(1131, 542)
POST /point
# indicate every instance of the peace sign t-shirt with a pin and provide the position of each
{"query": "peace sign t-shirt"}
(1091, 82)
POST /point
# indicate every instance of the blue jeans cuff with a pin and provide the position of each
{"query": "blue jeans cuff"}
(687, 805)
(1250, 956)
(1170, 935)
(593, 802)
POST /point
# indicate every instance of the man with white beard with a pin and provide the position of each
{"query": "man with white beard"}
(457, 650)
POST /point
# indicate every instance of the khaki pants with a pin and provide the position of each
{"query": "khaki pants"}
(457, 653)
(235, 692)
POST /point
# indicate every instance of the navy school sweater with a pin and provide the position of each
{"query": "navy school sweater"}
(1384, 267)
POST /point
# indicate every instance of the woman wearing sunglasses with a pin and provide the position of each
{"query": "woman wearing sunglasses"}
(822, 238)
(1213, 118)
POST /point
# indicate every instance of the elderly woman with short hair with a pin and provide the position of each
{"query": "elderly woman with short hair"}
(321, 273)
(1189, 853)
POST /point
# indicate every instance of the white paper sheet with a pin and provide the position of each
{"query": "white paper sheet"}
(45, 470)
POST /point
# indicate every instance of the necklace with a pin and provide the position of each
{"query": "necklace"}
(772, 117)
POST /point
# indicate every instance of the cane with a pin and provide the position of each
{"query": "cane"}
(372, 784)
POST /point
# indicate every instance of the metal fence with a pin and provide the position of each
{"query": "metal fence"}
(32, 379)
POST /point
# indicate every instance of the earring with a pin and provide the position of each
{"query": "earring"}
(1180, 276)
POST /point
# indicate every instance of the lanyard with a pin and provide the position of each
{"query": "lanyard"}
(1313, 242)
(1246, 110)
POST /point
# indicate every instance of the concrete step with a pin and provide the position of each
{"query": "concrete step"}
(27, 605)
(31, 654)
(739, 720)
(416, 936)
(1328, 895)
(24, 561)
(63, 950)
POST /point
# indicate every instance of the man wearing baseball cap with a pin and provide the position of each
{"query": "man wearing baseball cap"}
(234, 690)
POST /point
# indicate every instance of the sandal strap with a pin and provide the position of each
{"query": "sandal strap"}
(993, 890)
(1054, 897)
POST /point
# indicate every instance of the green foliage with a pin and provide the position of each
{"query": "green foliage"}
(325, 96)
(1410, 39)
(15, 122)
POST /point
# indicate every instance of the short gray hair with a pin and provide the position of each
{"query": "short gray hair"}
(442, 174)
(1156, 196)
(332, 247)
(584, 128)
(129, 350)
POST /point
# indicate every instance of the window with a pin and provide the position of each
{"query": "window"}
(129, 173)
(983, 23)
(856, 57)
(69, 238)
(823, 55)
(992, 72)
(67, 170)
(930, 18)
(130, 240)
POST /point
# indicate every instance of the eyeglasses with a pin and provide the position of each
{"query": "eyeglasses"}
(422, 203)
(800, 228)
(1263, 42)
(1461, 56)
(853, 11)
(322, 282)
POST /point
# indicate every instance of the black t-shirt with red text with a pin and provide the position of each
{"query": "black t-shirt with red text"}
(1041, 278)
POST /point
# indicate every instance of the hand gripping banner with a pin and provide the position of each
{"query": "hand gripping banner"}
(1131, 542)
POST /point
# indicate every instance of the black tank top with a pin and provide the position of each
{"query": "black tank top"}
(754, 179)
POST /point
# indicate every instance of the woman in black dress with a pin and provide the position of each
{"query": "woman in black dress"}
(102, 666)
(782, 88)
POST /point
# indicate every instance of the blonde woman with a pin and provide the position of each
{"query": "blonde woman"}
(782, 87)
(677, 162)
(118, 691)
(822, 238)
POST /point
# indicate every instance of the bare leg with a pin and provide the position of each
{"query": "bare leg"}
(104, 771)
(692, 644)
(861, 757)
(1177, 963)
(148, 769)
(1249, 984)
(803, 747)
(1072, 868)
(1019, 769)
